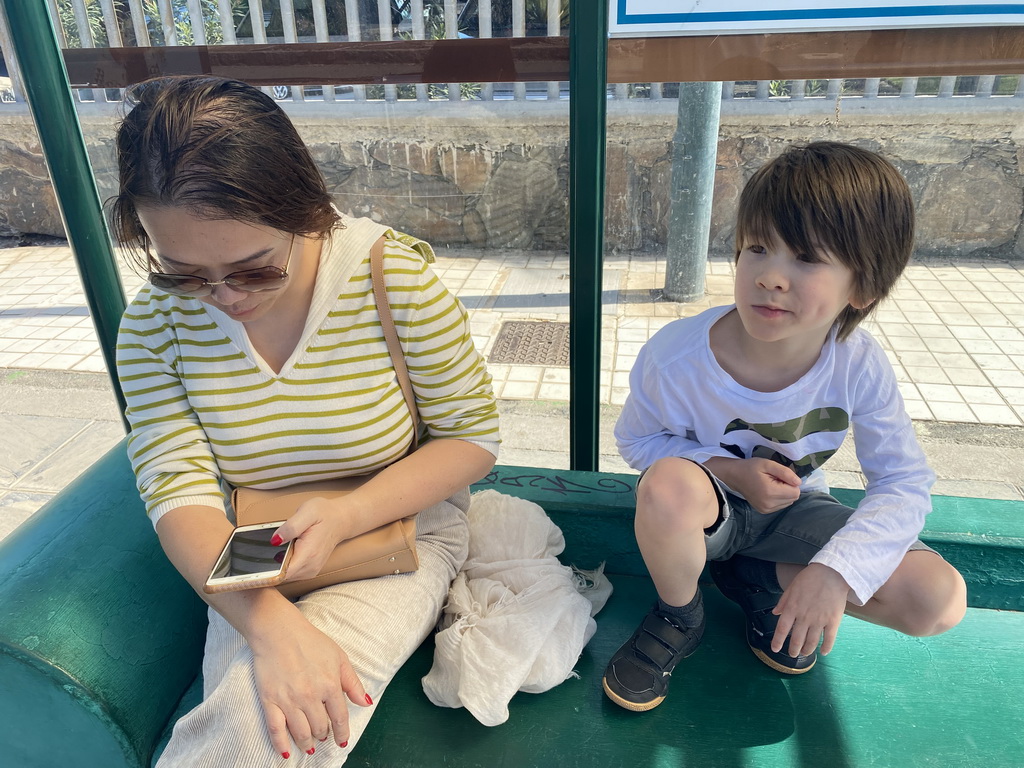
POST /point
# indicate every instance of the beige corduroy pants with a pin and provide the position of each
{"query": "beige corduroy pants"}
(377, 622)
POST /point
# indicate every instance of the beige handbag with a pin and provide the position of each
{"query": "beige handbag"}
(385, 550)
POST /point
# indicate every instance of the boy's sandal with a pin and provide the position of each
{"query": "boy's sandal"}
(757, 604)
(637, 676)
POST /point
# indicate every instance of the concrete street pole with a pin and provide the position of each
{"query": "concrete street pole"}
(694, 155)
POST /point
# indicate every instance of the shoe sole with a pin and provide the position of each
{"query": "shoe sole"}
(780, 667)
(632, 706)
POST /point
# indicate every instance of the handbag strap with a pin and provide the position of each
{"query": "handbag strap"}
(387, 323)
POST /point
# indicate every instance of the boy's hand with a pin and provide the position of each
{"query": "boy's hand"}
(813, 604)
(766, 485)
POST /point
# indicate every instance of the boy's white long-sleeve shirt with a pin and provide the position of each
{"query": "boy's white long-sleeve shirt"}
(682, 403)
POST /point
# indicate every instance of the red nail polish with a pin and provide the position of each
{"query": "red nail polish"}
(286, 755)
(276, 540)
(324, 739)
(343, 744)
(311, 750)
(369, 700)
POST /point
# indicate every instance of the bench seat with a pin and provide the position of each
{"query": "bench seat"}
(100, 644)
(879, 699)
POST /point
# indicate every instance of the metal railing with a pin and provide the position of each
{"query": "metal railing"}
(117, 23)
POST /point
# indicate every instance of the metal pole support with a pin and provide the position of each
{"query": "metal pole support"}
(588, 85)
(694, 157)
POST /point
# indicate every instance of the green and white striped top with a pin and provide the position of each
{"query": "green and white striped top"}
(204, 406)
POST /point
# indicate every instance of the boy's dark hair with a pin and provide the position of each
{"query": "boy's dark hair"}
(847, 200)
(219, 148)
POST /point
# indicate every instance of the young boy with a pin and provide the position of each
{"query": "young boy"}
(732, 413)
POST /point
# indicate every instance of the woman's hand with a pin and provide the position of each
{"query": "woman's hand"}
(303, 679)
(302, 676)
(317, 528)
(766, 485)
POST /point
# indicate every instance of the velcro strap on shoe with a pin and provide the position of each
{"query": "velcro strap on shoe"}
(661, 641)
(764, 623)
(760, 600)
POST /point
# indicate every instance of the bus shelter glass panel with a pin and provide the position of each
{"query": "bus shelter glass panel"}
(952, 327)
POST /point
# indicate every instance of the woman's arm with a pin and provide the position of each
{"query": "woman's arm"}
(420, 480)
(302, 675)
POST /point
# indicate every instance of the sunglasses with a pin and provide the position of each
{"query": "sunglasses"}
(247, 280)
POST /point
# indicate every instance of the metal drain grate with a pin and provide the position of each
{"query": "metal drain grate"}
(532, 343)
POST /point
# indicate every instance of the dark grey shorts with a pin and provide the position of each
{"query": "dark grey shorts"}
(794, 534)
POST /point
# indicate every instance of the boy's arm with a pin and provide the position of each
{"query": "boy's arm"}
(889, 519)
(657, 420)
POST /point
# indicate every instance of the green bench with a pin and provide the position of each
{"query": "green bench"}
(100, 646)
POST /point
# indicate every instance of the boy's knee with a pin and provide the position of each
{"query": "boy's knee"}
(955, 607)
(939, 607)
(677, 493)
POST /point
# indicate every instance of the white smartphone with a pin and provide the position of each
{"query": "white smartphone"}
(249, 560)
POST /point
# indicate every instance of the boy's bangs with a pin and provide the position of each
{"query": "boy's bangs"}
(764, 220)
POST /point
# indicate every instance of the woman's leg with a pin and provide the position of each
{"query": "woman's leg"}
(377, 622)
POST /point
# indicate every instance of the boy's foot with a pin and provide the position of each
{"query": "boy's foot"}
(757, 603)
(637, 677)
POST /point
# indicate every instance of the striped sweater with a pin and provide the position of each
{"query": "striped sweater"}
(204, 407)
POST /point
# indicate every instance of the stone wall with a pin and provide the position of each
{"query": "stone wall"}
(495, 175)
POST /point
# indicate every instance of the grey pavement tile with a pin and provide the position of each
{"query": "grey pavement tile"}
(84, 396)
(996, 414)
(911, 359)
(965, 332)
(976, 463)
(981, 489)
(955, 411)
(1014, 395)
(929, 375)
(1006, 378)
(27, 440)
(952, 360)
(918, 410)
(980, 395)
(838, 478)
(976, 347)
(944, 393)
(16, 507)
(908, 344)
(74, 457)
(944, 345)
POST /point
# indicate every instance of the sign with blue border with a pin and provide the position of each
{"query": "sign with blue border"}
(632, 18)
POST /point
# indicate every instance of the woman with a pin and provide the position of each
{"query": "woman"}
(259, 361)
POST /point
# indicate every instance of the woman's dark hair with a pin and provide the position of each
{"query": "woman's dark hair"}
(835, 196)
(221, 149)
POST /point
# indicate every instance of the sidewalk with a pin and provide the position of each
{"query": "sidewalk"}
(954, 332)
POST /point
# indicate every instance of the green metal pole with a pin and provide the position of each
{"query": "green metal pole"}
(49, 97)
(588, 85)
